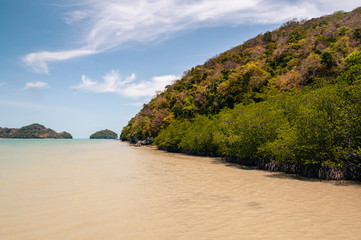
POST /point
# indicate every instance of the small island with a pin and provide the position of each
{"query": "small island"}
(104, 134)
(33, 131)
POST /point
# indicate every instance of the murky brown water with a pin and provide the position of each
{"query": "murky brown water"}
(109, 190)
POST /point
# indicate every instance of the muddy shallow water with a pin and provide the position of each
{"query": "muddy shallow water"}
(89, 189)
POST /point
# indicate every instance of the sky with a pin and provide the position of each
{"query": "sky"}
(87, 65)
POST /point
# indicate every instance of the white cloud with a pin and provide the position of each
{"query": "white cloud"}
(2, 84)
(111, 23)
(39, 61)
(113, 83)
(38, 85)
(75, 16)
(329, 6)
(148, 88)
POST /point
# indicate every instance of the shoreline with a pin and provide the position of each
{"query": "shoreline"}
(311, 171)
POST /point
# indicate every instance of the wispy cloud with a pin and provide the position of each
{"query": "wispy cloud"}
(39, 61)
(112, 23)
(2, 84)
(37, 85)
(113, 83)
(75, 16)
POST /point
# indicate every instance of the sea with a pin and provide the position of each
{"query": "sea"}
(107, 189)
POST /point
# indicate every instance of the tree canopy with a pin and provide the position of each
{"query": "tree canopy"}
(285, 100)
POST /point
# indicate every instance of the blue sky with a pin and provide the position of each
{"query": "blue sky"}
(86, 65)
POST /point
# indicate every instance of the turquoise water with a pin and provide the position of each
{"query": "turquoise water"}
(106, 189)
(24, 151)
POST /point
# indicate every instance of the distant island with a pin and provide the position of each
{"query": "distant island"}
(104, 134)
(33, 131)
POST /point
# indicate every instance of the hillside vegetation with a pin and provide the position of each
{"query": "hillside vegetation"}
(104, 134)
(285, 100)
(32, 131)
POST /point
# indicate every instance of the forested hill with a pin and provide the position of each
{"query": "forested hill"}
(32, 131)
(284, 99)
(291, 57)
(104, 134)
